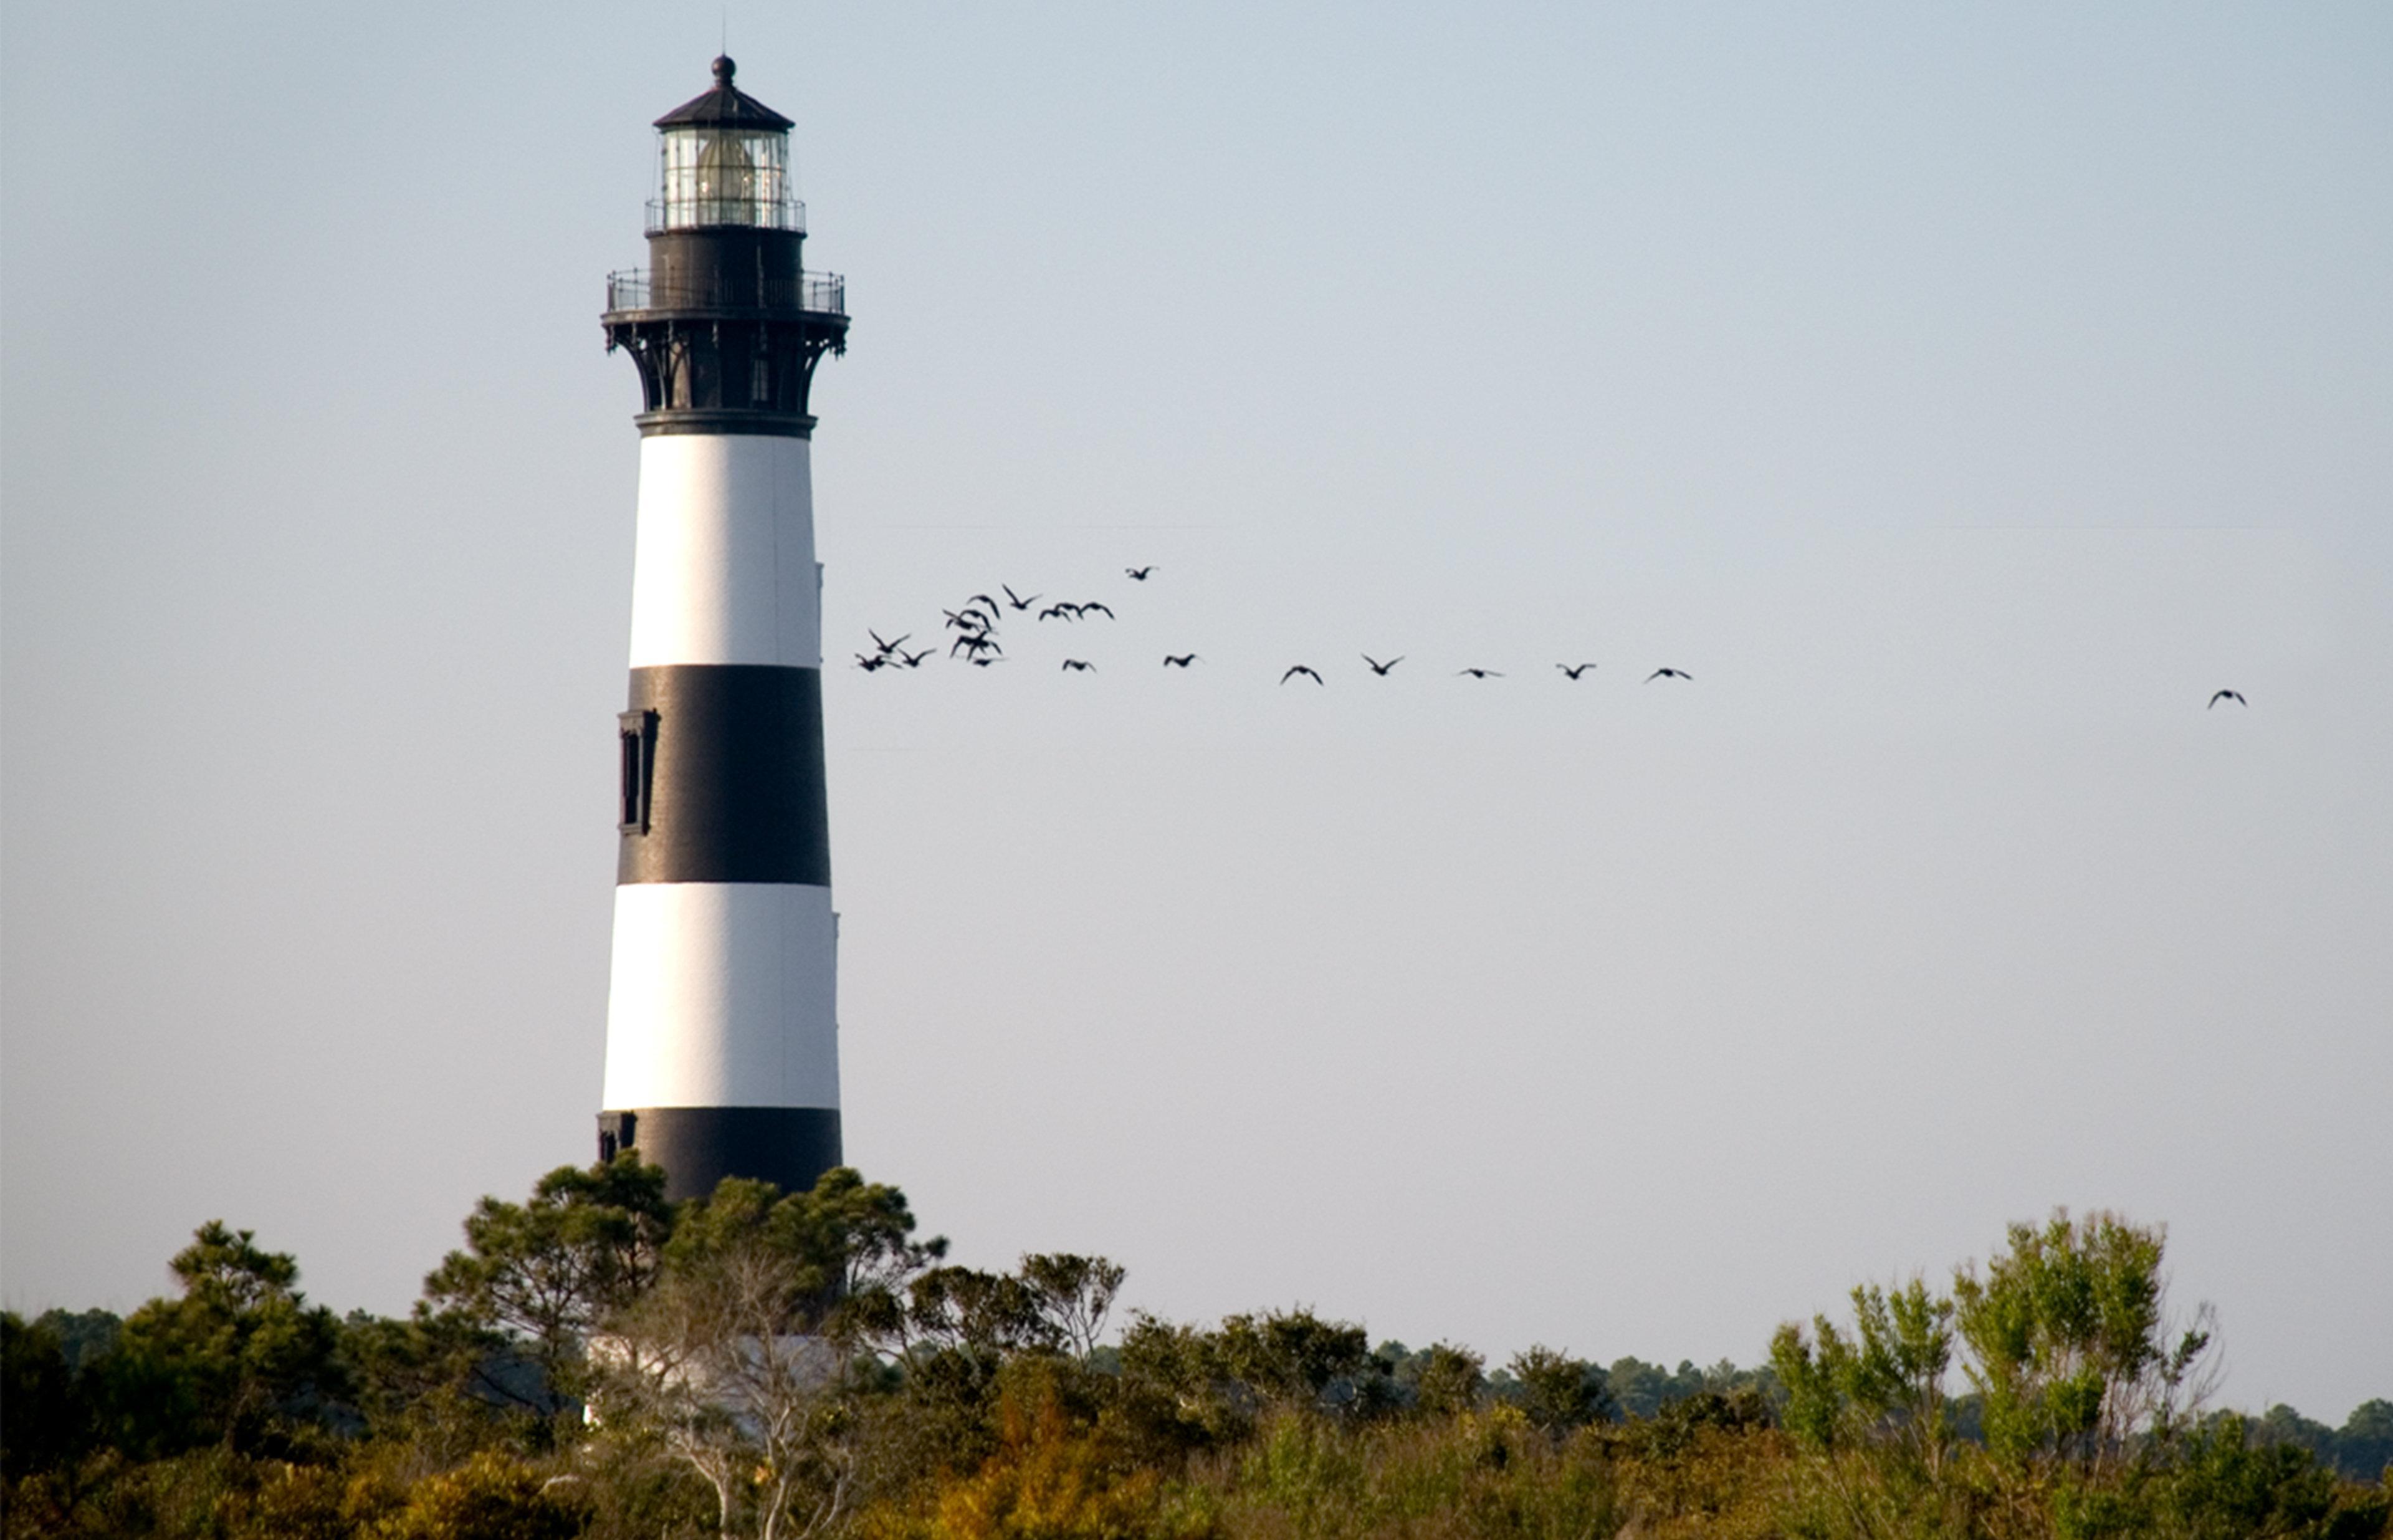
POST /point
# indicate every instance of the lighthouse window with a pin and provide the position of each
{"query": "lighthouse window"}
(637, 733)
(718, 175)
(761, 387)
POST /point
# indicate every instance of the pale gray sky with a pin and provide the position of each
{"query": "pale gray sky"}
(1962, 394)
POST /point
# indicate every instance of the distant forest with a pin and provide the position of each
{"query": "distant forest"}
(598, 1361)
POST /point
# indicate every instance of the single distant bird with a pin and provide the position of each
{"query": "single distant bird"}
(1073, 665)
(984, 663)
(975, 643)
(1017, 600)
(1478, 674)
(1574, 673)
(986, 602)
(1381, 669)
(1093, 605)
(1181, 661)
(1138, 574)
(1302, 670)
(914, 659)
(1059, 610)
(2226, 695)
(966, 618)
(886, 647)
(1668, 673)
(869, 662)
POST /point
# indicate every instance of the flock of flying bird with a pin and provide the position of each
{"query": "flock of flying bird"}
(976, 620)
(975, 623)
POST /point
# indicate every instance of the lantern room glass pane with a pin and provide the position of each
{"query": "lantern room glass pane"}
(725, 177)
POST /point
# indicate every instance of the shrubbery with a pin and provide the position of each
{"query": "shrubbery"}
(598, 1361)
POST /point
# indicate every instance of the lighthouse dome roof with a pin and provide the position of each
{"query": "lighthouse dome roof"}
(724, 107)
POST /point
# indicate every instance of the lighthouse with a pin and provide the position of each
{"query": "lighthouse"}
(722, 1021)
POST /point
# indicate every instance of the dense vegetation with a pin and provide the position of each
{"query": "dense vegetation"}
(598, 1361)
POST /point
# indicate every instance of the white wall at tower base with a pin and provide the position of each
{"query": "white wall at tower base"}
(724, 571)
(723, 995)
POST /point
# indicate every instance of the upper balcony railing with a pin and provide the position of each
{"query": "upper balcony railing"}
(822, 292)
(696, 210)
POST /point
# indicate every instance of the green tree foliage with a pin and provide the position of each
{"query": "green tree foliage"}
(1883, 1383)
(548, 1272)
(2089, 1397)
(2069, 1347)
(1449, 1381)
(2361, 1448)
(1559, 1392)
(43, 1422)
(1076, 1296)
(739, 1354)
(240, 1359)
(1186, 1388)
(1290, 1357)
(963, 1310)
(1643, 1389)
(2364, 1446)
(803, 1364)
(2227, 1485)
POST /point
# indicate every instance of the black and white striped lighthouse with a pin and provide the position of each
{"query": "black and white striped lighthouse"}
(721, 1031)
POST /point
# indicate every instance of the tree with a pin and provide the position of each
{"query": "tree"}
(2227, 1485)
(983, 1315)
(1075, 1294)
(740, 1356)
(444, 1386)
(1559, 1392)
(2364, 1445)
(1885, 1382)
(1292, 1357)
(1450, 1380)
(240, 1359)
(2070, 1343)
(42, 1421)
(548, 1272)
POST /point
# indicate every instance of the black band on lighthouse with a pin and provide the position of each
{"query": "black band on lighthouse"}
(736, 790)
(790, 1147)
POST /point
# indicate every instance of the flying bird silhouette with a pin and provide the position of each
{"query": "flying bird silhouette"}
(1073, 665)
(2226, 695)
(1302, 670)
(1478, 674)
(1017, 600)
(886, 647)
(1574, 673)
(975, 643)
(914, 659)
(967, 618)
(1067, 611)
(986, 602)
(871, 662)
(1181, 661)
(1093, 605)
(1381, 669)
(1138, 574)
(984, 663)
(1668, 673)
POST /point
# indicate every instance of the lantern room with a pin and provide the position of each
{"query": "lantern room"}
(724, 158)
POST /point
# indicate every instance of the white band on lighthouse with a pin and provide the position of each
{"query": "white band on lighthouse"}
(723, 995)
(725, 565)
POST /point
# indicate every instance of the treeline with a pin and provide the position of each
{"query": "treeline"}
(598, 1361)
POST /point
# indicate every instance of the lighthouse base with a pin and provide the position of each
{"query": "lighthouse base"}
(789, 1147)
